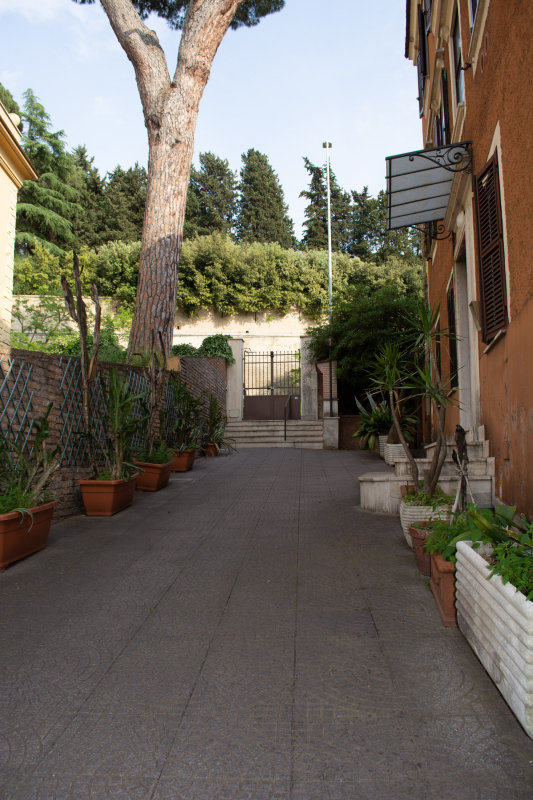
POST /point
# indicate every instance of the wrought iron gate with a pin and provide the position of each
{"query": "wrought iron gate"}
(271, 385)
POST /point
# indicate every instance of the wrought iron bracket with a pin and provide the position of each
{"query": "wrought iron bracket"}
(436, 232)
(452, 157)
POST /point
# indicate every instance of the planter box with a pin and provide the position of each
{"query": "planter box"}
(497, 621)
(442, 583)
(154, 476)
(19, 537)
(409, 513)
(105, 498)
(182, 462)
(418, 537)
(394, 453)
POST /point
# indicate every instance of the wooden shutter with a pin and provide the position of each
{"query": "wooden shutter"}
(490, 250)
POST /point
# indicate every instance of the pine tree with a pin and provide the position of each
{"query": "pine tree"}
(46, 206)
(212, 197)
(263, 214)
(316, 212)
(9, 103)
(90, 224)
(124, 204)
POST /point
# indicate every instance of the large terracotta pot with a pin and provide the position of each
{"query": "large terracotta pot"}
(418, 537)
(105, 498)
(154, 476)
(183, 461)
(443, 587)
(211, 450)
(21, 536)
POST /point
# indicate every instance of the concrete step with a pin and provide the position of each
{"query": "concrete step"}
(271, 433)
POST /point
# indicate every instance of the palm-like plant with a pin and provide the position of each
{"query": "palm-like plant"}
(414, 373)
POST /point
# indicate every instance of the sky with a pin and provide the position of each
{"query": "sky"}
(317, 70)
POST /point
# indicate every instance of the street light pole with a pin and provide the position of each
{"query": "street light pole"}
(328, 146)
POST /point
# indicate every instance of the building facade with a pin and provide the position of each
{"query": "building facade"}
(475, 98)
(14, 169)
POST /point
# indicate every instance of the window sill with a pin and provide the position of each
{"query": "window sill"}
(501, 333)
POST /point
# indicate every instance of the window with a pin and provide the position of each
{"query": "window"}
(490, 250)
(457, 61)
(442, 120)
(473, 9)
(452, 330)
(422, 59)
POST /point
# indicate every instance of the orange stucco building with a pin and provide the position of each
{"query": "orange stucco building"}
(475, 99)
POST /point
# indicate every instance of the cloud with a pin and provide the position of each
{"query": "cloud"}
(35, 10)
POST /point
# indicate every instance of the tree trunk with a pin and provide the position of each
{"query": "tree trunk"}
(170, 112)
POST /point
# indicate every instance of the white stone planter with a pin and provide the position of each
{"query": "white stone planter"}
(382, 441)
(394, 453)
(497, 621)
(409, 513)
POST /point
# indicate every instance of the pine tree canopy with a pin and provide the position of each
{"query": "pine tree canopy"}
(174, 11)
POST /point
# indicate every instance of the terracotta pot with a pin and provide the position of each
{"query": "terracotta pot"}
(183, 461)
(154, 476)
(105, 498)
(21, 536)
(443, 587)
(418, 537)
(211, 450)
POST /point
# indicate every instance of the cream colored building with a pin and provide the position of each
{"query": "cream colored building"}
(15, 168)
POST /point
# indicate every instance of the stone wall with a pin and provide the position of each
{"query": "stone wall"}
(43, 385)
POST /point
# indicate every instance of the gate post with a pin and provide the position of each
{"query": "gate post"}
(308, 381)
(234, 399)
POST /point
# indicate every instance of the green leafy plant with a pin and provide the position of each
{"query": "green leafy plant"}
(158, 454)
(186, 433)
(445, 535)
(214, 431)
(24, 479)
(512, 544)
(373, 423)
(120, 423)
(184, 350)
(217, 346)
(420, 498)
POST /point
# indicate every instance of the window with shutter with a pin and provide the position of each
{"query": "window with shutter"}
(421, 59)
(490, 250)
(452, 330)
(458, 60)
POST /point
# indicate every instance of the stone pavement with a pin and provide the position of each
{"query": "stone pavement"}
(248, 632)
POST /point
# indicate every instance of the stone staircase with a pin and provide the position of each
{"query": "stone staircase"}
(380, 491)
(270, 433)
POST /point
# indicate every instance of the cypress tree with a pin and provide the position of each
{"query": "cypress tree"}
(212, 197)
(262, 212)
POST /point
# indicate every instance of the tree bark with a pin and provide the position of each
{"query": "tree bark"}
(170, 110)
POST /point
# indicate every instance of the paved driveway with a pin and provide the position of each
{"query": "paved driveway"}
(246, 633)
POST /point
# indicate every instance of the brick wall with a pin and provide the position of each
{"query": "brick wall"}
(43, 386)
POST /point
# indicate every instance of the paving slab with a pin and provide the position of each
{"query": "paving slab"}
(247, 632)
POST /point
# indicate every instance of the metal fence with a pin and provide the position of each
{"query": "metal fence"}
(271, 373)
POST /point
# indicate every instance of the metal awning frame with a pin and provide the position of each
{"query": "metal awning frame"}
(419, 185)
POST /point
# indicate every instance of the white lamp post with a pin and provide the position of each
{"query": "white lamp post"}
(328, 146)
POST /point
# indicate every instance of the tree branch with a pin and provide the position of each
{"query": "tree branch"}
(205, 24)
(142, 47)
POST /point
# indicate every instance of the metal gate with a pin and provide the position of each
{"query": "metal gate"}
(271, 385)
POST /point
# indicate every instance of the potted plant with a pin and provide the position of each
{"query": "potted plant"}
(374, 424)
(186, 431)
(26, 507)
(441, 544)
(154, 464)
(494, 573)
(113, 486)
(213, 434)
(417, 506)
